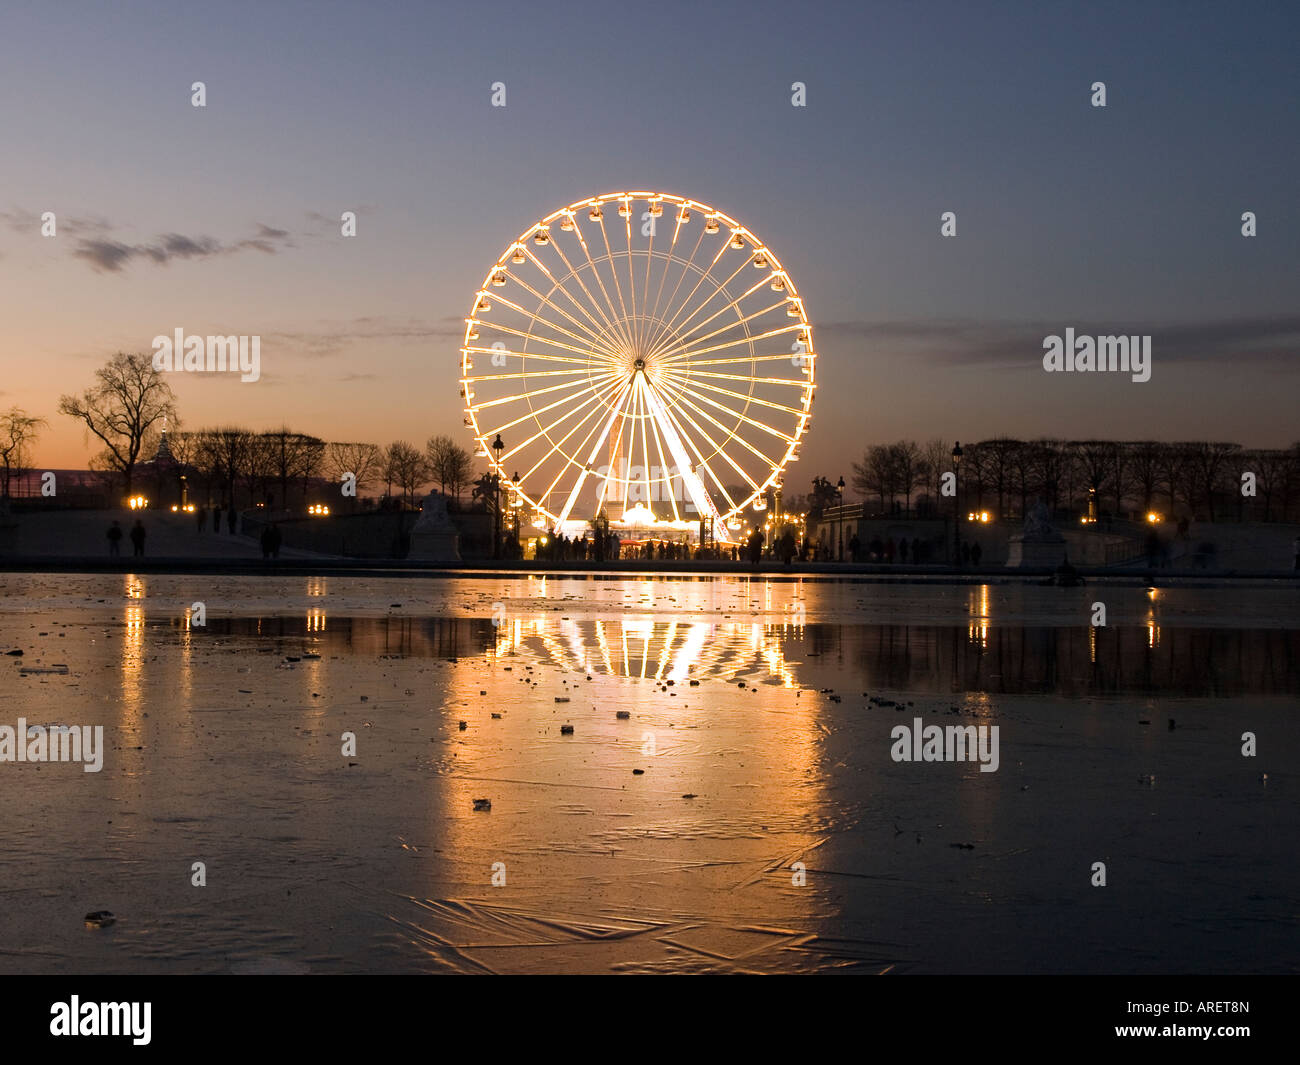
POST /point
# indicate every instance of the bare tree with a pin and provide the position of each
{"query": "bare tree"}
(875, 474)
(363, 461)
(1173, 465)
(128, 397)
(1094, 459)
(223, 456)
(449, 464)
(1208, 462)
(936, 459)
(405, 467)
(1144, 459)
(905, 458)
(293, 457)
(997, 459)
(18, 432)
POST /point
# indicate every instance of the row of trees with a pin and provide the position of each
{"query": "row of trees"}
(1198, 479)
(281, 466)
(130, 406)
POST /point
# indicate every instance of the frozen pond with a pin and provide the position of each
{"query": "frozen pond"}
(745, 815)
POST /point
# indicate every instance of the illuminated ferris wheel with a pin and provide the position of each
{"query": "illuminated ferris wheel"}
(642, 357)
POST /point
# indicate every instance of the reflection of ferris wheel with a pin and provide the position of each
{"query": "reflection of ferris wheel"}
(642, 356)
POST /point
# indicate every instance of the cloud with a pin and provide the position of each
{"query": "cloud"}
(29, 222)
(336, 340)
(1261, 339)
(104, 255)
(107, 255)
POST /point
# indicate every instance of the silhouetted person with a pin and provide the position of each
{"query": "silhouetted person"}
(787, 548)
(216, 519)
(266, 542)
(201, 518)
(855, 545)
(1153, 548)
(756, 547)
(114, 535)
(137, 539)
(276, 537)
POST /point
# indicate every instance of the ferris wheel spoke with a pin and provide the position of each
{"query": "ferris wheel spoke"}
(700, 497)
(655, 332)
(525, 374)
(745, 397)
(748, 339)
(699, 392)
(705, 274)
(557, 447)
(784, 356)
(678, 409)
(613, 269)
(616, 323)
(521, 397)
(663, 467)
(615, 412)
(685, 340)
(587, 353)
(613, 326)
(593, 398)
(701, 463)
(694, 373)
(584, 364)
(729, 302)
(567, 460)
(594, 337)
(666, 324)
(731, 433)
(585, 347)
(631, 277)
(645, 291)
(687, 266)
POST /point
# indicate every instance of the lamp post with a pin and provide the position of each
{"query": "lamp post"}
(498, 446)
(514, 505)
(839, 495)
(956, 505)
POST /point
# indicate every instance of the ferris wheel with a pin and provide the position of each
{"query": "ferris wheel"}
(642, 357)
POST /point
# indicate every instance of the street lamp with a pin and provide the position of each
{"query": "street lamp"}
(839, 494)
(956, 506)
(515, 503)
(498, 446)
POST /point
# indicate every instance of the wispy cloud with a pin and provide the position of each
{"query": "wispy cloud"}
(107, 255)
(338, 339)
(1263, 339)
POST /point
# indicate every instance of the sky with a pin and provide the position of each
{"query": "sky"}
(225, 219)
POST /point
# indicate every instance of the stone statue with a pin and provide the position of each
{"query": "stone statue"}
(1038, 523)
(434, 537)
(433, 514)
(1038, 545)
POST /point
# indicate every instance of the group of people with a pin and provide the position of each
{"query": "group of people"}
(115, 535)
(578, 549)
(201, 519)
(270, 539)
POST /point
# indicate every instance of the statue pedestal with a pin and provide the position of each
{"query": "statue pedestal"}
(435, 537)
(1035, 553)
(435, 547)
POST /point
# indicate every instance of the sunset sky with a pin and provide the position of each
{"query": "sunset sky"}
(1120, 219)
